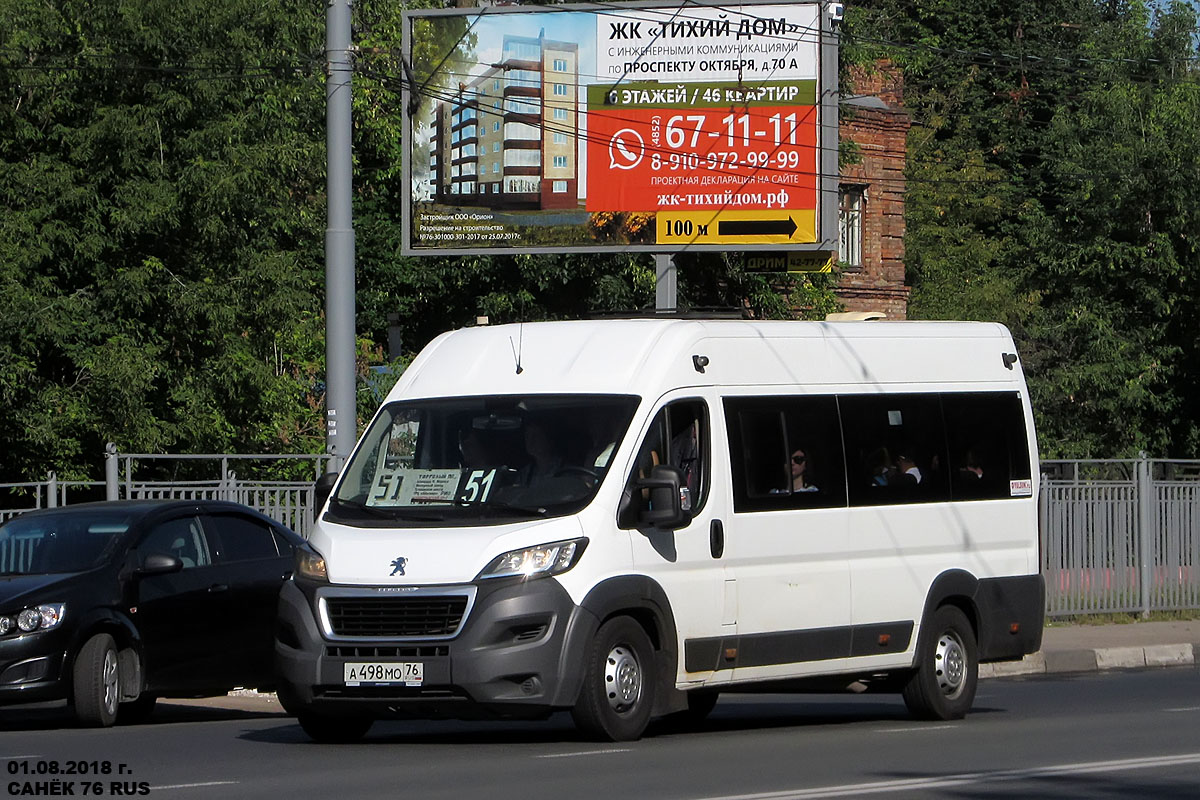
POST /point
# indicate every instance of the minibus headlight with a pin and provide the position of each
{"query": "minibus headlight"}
(310, 565)
(543, 559)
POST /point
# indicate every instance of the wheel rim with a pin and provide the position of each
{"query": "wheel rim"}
(950, 664)
(622, 679)
(108, 681)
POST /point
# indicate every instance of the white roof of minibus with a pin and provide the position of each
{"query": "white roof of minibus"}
(650, 356)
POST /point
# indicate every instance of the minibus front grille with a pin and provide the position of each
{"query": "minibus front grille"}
(379, 617)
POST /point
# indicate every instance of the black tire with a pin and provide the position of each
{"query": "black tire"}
(328, 729)
(97, 682)
(617, 695)
(137, 711)
(943, 685)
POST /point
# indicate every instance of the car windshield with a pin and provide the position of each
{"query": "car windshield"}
(455, 461)
(72, 540)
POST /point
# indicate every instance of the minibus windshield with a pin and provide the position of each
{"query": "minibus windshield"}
(482, 459)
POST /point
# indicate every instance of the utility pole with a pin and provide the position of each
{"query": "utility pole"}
(340, 417)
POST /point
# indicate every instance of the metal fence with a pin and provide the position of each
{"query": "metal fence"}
(1117, 535)
(287, 501)
(1121, 536)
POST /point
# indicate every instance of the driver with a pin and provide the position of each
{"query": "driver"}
(545, 461)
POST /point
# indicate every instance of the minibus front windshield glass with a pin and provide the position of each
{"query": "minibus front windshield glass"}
(465, 460)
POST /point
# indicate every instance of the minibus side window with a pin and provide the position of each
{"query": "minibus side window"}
(895, 449)
(678, 436)
(987, 442)
(785, 452)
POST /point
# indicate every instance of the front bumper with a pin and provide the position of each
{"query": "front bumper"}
(517, 655)
(31, 667)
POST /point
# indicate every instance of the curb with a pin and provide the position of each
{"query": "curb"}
(1066, 661)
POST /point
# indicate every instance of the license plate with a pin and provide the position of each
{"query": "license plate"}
(383, 673)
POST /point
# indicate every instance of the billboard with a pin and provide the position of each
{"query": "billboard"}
(639, 126)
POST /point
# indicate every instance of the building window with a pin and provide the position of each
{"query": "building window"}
(850, 228)
(560, 187)
(560, 65)
(560, 89)
(560, 138)
(495, 126)
(560, 161)
(560, 113)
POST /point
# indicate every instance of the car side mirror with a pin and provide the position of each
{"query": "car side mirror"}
(159, 564)
(667, 509)
(321, 490)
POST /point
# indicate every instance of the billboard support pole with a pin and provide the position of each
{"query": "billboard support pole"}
(665, 291)
(339, 241)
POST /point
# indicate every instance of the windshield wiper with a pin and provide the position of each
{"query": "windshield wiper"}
(393, 512)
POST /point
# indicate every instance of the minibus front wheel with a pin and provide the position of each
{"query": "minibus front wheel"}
(947, 668)
(617, 695)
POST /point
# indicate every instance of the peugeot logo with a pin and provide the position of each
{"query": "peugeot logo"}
(398, 566)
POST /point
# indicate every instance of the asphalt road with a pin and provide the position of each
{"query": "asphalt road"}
(1118, 734)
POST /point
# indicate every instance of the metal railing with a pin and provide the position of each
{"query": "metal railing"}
(1121, 536)
(1118, 535)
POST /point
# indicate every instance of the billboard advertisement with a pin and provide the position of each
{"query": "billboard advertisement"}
(640, 126)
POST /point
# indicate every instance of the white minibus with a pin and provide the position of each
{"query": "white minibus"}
(625, 518)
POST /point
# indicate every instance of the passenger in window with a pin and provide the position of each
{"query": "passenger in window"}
(971, 470)
(685, 450)
(880, 466)
(907, 468)
(799, 468)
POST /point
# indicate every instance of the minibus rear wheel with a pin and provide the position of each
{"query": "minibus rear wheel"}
(618, 684)
(943, 685)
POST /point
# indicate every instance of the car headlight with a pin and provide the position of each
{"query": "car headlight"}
(543, 559)
(310, 564)
(35, 618)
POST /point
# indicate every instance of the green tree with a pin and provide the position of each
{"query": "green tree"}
(161, 238)
(1052, 176)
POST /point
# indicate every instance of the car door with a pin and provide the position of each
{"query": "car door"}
(787, 538)
(687, 562)
(257, 560)
(183, 617)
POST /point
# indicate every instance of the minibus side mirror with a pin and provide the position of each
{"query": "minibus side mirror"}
(321, 490)
(666, 507)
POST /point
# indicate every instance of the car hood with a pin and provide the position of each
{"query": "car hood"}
(426, 556)
(18, 591)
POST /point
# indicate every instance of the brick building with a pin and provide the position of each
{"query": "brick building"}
(872, 195)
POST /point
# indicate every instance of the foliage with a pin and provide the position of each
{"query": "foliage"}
(1053, 185)
(157, 250)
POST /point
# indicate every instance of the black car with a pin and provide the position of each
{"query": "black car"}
(112, 605)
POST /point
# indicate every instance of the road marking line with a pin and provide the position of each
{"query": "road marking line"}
(916, 728)
(1189, 708)
(16, 758)
(584, 753)
(192, 785)
(968, 778)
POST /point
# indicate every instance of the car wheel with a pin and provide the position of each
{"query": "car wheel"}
(943, 685)
(617, 695)
(97, 682)
(328, 729)
(138, 711)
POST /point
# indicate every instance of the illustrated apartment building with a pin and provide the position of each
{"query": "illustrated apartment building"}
(509, 138)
